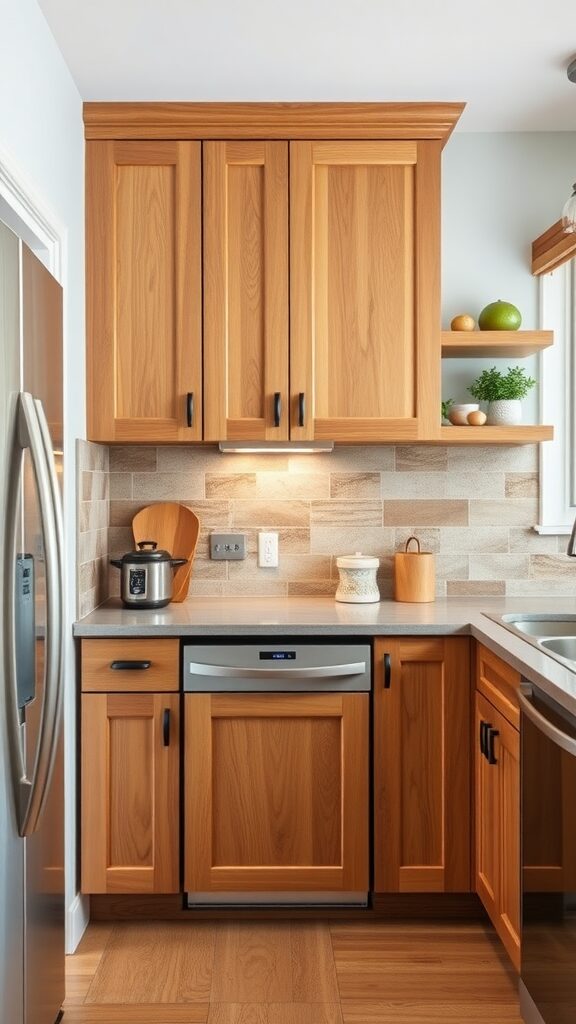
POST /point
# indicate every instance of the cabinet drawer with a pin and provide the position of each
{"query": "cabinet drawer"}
(499, 683)
(161, 658)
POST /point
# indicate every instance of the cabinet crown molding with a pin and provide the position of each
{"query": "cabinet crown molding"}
(271, 120)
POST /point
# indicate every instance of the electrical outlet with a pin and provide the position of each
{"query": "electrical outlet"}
(228, 545)
(267, 550)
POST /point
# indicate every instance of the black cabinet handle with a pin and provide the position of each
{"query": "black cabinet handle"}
(166, 727)
(492, 733)
(123, 665)
(190, 408)
(277, 408)
(301, 409)
(387, 671)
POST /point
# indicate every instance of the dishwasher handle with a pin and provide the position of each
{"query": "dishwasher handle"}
(552, 732)
(355, 668)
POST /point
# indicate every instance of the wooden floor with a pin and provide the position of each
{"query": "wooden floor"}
(289, 973)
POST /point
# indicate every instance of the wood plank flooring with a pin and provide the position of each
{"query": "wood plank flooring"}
(286, 972)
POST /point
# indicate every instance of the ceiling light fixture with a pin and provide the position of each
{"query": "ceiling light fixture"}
(569, 211)
(276, 447)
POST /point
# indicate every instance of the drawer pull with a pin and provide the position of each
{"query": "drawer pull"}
(123, 665)
(387, 671)
(190, 408)
(277, 408)
(166, 727)
(483, 747)
(492, 733)
(301, 409)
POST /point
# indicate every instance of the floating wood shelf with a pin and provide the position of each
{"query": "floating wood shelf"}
(527, 434)
(494, 344)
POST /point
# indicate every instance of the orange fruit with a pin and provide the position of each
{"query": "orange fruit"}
(463, 322)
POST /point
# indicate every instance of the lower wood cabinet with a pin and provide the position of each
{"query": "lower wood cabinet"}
(422, 764)
(276, 792)
(130, 792)
(498, 822)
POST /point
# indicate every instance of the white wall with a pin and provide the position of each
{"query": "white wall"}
(499, 192)
(41, 135)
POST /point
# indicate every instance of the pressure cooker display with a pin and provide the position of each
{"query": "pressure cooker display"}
(137, 582)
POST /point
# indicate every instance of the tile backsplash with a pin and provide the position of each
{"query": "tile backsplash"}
(474, 507)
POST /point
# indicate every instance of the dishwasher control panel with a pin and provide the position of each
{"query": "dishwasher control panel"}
(277, 668)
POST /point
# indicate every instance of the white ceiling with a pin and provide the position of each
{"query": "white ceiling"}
(506, 58)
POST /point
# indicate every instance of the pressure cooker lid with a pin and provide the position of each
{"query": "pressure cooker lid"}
(147, 552)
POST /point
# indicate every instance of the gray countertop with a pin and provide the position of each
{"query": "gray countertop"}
(324, 617)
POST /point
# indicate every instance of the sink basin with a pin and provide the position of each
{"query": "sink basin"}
(552, 634)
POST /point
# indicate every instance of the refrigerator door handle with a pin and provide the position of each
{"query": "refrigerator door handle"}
(32, 432)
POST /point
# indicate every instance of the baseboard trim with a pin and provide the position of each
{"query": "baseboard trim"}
(77, 918)
(393, 906)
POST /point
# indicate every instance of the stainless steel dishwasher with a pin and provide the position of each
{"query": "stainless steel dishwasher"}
(548, 754)
(276, 784)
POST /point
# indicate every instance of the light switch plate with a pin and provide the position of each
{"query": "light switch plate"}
(231, 546)
(267, 550)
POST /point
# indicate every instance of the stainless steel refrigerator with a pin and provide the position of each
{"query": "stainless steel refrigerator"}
(31, 640)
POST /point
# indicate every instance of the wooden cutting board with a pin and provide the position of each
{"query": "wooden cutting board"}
(174, 528)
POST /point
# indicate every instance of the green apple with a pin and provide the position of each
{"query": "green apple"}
(500, 316)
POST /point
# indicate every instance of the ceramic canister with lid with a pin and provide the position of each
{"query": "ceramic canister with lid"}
(357, 584)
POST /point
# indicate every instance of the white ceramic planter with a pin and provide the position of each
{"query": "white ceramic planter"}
(357, 579)
(505, 413)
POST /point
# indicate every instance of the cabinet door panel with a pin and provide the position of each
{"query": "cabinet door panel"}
(487, 816)
(421, 774)
(144, 299)
(365, 342)
(130, 793)
(276, 793)
(245, 289)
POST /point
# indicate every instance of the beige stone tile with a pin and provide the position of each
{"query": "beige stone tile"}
(475, 588)
(474, 538)
(521, 485)
(94, 486)
(346, 513)
(494, 458)
(499, 566)
(206, 588)
(452, 565)
(167, 486)
(209, 568)
(346, 540)
(292, 485)
(290, 541)
(561, 543)
(92, 545)
(123, 512)
(212, 514)
(256, 587)
(354, 486)
(230, 485)
(346, 459)
(208, 459)
(91, 456)
(290, 567)
(87, 603)
(421, 458)
(121, 486)
(132, 459)
(527, 540)
(384, 572)
(414, 485)
(426, 513)
(270, 513)
(510, 512)
(461, 484)
(93, 515)
(120, 540)
(553, 567)
(560, 587)
(429, 539)
(309, 588)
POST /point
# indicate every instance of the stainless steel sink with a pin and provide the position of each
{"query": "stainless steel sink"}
(552, 634)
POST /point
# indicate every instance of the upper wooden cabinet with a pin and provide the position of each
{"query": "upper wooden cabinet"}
(316, 264)
(144, 291)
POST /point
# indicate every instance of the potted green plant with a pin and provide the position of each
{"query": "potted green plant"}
(445, 408)
(503, 392)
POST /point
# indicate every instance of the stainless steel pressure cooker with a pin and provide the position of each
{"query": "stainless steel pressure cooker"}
(147, 575)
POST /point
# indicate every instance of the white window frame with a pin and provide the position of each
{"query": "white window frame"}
(558, 400)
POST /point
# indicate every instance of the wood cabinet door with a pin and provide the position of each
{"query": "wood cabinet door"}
(365, 290)
(276, 793)
(422, 764)
(144, 291)
(130, 792)
(498, 824)
(246, 290)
